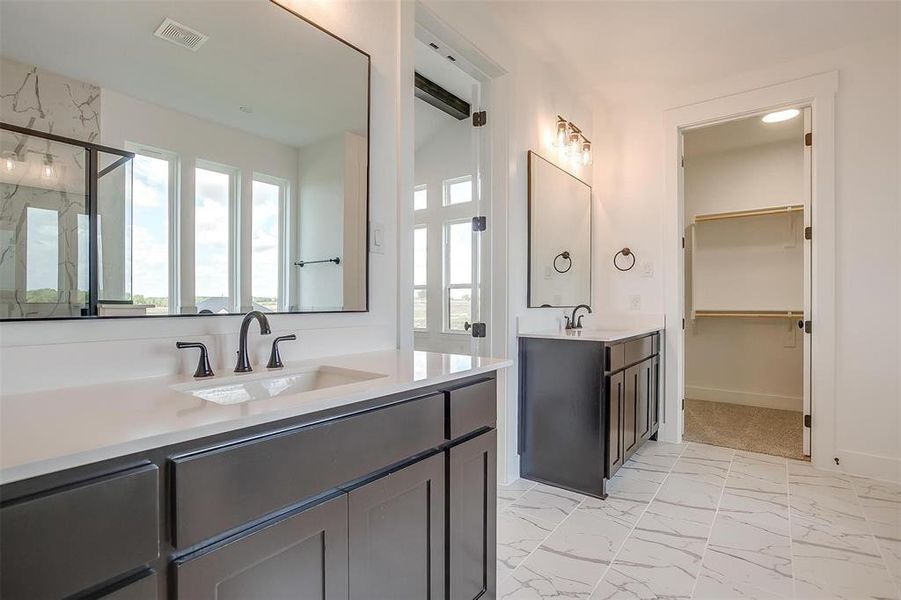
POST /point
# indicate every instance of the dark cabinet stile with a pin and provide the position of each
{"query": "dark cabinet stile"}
(350, 506)
(585, 408)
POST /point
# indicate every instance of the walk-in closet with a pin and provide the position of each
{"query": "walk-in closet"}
(746, 191)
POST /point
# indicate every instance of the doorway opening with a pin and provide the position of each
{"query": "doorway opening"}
(450, 233)
(746, 209)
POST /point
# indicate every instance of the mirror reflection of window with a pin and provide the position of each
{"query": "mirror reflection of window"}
(420, 277)
(42, 255)
(266, 244)
(150, 278)
(458, 274)
(212, 201)
(458, 191)
(420, 197)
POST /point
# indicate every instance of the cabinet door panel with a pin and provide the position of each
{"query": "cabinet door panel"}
(630, 411)
(644, 395)
(301, 556)
(654, 395)
(397, 535)
(473, 506)
(615, 391)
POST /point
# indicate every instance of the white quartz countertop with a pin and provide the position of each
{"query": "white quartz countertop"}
(47, 431)
(592, 335)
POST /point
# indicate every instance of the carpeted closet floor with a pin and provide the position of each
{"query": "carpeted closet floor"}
(764, 430)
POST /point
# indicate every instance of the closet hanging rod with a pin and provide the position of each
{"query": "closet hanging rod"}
(756, 212)
(751, 314)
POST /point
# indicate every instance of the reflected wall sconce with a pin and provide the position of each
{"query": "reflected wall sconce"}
(570, 140)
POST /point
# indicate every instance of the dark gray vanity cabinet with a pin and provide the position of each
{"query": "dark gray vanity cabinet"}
(389, 499)
(585, 407)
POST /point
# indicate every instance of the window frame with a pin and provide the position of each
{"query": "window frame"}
(447, 286)
(284, 193)
(445, 190)
(234, 229)
(424, 286)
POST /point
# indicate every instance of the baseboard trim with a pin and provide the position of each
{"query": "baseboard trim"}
(746, 398)
(873, 466)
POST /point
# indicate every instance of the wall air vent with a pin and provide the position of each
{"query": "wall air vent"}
(180, 35)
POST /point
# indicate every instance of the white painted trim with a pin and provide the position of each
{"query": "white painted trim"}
(745, 398)
(885, 468)
(817, 91)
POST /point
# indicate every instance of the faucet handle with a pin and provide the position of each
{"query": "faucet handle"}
(569, 325)
(275, 360)
(578, 324)
(203, 365)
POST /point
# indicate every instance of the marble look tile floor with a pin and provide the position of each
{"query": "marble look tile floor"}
(697, 521)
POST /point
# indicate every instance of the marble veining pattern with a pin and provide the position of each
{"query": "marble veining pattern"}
(696, 521)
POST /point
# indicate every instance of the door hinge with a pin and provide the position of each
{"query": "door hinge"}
(478, 330)
(479, 223)
(683, 403)
(808, 326)
(479, 118)
(683, 242)
(808, 233)
(808, 139)
(807, 421)
(683, 323)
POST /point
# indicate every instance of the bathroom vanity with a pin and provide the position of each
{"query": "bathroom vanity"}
(379, 489)
(588, 400)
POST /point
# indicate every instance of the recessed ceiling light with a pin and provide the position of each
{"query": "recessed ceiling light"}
(781, 115)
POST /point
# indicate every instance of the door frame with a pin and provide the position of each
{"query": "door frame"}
(818, 92)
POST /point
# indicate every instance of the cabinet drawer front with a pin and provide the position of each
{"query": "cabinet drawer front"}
(303, 555)
(225, 488)
(615, 358)
(640, 349)
(140, 589)
(66, 541)
(471, 408)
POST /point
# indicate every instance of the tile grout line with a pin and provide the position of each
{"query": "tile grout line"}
(716, 513)
(866, 519)
(791, 542)
(638, 520)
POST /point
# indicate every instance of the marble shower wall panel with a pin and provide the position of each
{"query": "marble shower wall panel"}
(39, 99)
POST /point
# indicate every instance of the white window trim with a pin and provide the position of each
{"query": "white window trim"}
(445, 190)
(284, 192)
(423, 286)
(420, 188)
(174, 233)
(446, 286)
(234, 228)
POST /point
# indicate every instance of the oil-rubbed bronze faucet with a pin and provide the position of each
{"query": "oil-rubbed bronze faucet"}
(243, 365)
(571, 323)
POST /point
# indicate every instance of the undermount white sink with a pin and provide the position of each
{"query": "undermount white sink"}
(260, 386)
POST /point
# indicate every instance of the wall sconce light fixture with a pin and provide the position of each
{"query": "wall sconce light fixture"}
(570, 140)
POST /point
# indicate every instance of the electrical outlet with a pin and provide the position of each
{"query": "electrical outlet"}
(635, 302)
(647, 269)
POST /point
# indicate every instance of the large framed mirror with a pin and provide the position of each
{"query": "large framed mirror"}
(179, 157)
(559, 236)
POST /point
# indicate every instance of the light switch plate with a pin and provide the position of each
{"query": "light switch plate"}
(635, 302)
(376, 237)
(647, 269)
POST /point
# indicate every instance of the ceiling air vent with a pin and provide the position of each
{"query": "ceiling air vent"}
(180, 35)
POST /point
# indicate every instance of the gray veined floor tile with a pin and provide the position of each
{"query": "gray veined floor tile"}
(890, 547)
(823, 572)
(707, 470)
(628, 495)
(765, 510)
(547, 503)
(750, 554)
(570, 562)
(507, 493)
(769, 458)
(881, 502)
(687, 501)
(696, 450)
(517, 536)
(712, 585)
(653, 467)
(652, 448)
(765, 475)
(801, 472)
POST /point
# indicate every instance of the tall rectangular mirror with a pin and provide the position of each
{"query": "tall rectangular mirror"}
(179, 157)
(559, 236)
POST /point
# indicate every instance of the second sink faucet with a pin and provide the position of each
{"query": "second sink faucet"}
(571, 323)
(243, 365)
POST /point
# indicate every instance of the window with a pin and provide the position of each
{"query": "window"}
(458, 274)
(420, 197)
(458, 190)
(420, 278)
(265, 250)
(214, 196)
(41, 255)
(152, 188)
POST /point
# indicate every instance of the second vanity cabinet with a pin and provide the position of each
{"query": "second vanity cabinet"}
(585, 407)
(390, 499)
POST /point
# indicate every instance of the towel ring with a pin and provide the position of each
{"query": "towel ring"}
(625, 252)
(565, 256)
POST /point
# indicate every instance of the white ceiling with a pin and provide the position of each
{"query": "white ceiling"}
(619, 50)
(300, 83)
(742, 133)
(428, 120)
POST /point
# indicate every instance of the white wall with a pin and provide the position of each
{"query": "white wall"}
(84, 352)
(523, 107)
(629, 176)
